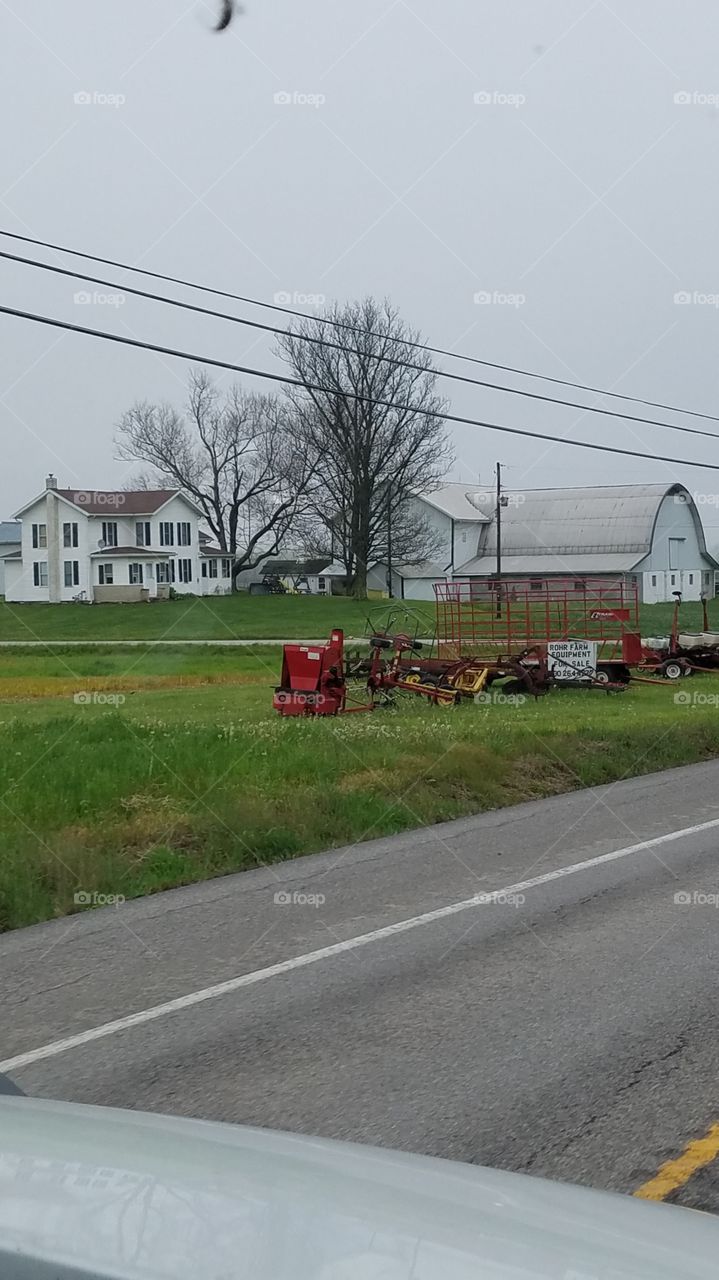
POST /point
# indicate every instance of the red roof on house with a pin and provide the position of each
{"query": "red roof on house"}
(106, 502)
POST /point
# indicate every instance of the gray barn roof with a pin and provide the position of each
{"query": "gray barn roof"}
(462, 501)
(574, 530)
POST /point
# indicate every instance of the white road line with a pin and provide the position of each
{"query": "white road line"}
(324, 953)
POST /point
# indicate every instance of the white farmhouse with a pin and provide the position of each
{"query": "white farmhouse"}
(111, 545)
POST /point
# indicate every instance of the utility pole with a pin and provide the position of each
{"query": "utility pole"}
(502, 501)
(499, 539)
(389, 541)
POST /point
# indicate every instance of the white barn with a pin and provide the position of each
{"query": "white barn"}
(649, 531)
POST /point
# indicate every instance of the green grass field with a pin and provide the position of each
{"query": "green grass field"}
(190, 774)
(239, 617)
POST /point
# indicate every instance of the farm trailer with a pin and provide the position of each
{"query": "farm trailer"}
(580, 630)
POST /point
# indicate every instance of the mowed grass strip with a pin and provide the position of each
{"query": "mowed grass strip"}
(238, 617)
(180, 784)
(243, 617)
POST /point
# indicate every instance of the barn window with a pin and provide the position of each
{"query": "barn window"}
(654, 579)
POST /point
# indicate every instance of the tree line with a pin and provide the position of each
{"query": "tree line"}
(328, 467)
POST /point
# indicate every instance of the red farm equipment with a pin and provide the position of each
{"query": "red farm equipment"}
(530, 634)
(564, 630)
(313, 679)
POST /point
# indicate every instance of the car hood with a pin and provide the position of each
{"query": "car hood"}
(126, 1194)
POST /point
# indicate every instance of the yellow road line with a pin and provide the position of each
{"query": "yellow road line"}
(675, 1173)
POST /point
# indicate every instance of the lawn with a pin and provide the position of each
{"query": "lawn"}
(175, 781)
(238, 617)
(242, 617)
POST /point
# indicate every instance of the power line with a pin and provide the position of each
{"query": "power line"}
(420, 346)
(324, 342)
(346, 395)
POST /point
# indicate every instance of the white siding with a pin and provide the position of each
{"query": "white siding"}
(8, 550)
(20, 583)
(441, 524)
(13, 573)
(675, 562)
(658, 585)
(418, 589)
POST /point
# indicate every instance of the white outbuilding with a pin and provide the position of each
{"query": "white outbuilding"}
(651, 532)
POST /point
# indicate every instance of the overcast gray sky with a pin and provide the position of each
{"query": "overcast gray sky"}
(577, 184)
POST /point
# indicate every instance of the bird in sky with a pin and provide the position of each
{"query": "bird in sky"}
(226, 15)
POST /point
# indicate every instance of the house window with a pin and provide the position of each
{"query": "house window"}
(135, 575)
(104, 574)
(204, 568)
(184, 569)
(183, 533)
(654, 579)
(109, 533)
(213, 568)
(691, 579)
(72, 573)
(39, 573)
(69, 534)
(226, 567)
(162, 571)
(142, 533)
(39, 535)
(674, 579)
(167, 533)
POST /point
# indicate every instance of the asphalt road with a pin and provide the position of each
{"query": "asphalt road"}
(568, 1028)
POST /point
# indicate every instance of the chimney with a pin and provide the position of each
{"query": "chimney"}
(51, 482)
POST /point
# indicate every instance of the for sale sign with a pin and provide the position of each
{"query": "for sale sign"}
(572, 659)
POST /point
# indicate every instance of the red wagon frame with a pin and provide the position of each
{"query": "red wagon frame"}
(495, 621)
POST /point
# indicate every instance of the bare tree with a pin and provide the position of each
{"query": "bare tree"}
(367, 418)
(399, 533)
(236, 456)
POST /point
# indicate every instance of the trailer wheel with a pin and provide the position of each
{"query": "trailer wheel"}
(671, 670)
(616, 674)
